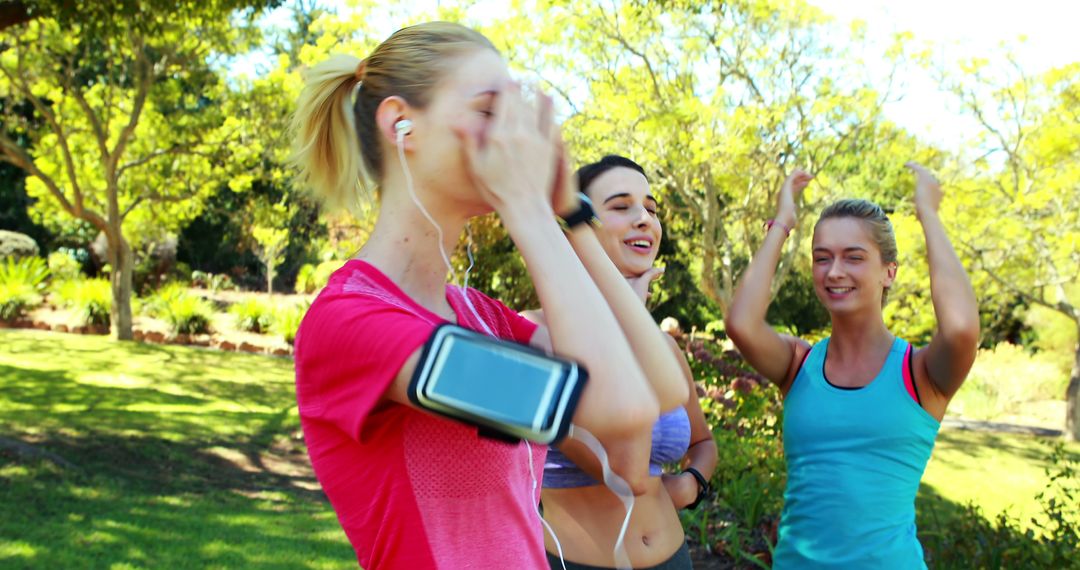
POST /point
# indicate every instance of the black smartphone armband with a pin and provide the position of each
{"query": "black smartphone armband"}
(508, 390)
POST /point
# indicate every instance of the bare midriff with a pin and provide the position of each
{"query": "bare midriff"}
(588, 519)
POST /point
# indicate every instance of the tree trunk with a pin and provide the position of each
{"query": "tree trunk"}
(270, 278)
(1072, 407)
(123, 264)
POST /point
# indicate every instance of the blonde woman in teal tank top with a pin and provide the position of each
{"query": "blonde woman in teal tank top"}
(861, 408)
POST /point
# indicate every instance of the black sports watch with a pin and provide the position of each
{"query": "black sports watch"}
(704, 489)
(584, 213)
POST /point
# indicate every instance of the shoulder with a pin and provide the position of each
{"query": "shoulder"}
(502, 321)
(339, 320)
(801, 348)
(800, 351)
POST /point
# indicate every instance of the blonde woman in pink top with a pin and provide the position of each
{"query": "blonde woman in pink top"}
(431, 122)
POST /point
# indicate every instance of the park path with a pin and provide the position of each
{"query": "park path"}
(999, 427)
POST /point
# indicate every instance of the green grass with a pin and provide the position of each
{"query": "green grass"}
(191, 458)
(184, 458)
(997, 471)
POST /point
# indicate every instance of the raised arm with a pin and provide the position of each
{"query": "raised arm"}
(770, 353)
(647, 342)
(950, 354)
(517, 172)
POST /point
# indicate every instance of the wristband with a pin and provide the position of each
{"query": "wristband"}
(704, 489)
(772, 222)
(583, 214)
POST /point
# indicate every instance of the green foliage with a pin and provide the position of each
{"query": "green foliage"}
(287, 321)
(212, 281)
(966, 539)
(499, 271)
(1054, 334)
(797, 307)
(312, 278)
(305, 279)
(268, 229)
(91, 299)
(1006, 378)
(254, 315)
(184, 311)
(188, 314)
(64, 267)
(715, 139)
(130, 126)
(21, 283)
(155, 305)
(745, 413)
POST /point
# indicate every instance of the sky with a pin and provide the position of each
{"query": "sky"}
(957, 30)
(1042, 33)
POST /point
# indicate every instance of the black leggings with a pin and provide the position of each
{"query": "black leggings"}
(678, 561)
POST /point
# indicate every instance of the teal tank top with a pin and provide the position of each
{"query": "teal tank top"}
(854, 461)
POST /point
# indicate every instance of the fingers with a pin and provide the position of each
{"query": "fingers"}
(798, 180)
(545, 114)
(921, 172)
(469, 144)
(641, 283)
(506, 103)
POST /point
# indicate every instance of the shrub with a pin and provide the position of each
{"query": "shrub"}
(255, 315)
(188, 313)
(16, 245)
(966, 539)
(287, 321)
(91, 299)
(185, 312)
(21, 283)
(744, 409)
(311, 278)
(212, 281)
(305, 279)
(157, 303)
(63, 267)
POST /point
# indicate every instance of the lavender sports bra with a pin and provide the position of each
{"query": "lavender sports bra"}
(670, 440)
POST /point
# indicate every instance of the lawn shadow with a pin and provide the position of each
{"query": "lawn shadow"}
(129, 516)
(974, 445)
(960, 536)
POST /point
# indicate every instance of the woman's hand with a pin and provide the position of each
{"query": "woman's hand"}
(794, 184)
(515, 165)
(564, 195)
(928, 192)
(682, 488)
(641, 283)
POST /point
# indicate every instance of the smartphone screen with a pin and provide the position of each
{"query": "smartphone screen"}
(496, 382)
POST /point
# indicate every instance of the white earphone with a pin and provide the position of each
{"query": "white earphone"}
(402, 128)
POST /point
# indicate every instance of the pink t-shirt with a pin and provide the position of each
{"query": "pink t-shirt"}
(411, 489)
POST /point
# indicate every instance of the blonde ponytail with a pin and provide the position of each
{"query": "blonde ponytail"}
(338, 150)
(327, 152)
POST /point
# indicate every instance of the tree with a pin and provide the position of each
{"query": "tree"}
(717, 100)
(127, 99)
(1030, 180)
(271, 236)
